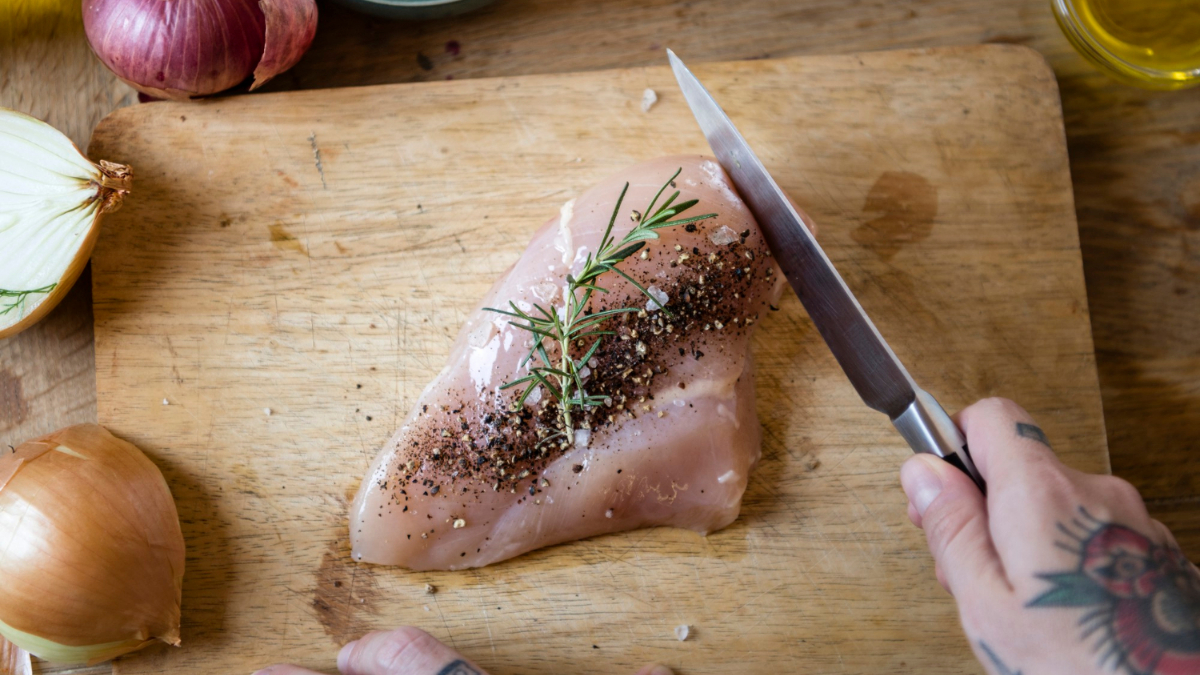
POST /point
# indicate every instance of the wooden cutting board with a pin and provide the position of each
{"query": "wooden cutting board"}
(291, 269)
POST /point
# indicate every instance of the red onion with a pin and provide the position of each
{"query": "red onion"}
(181, 49)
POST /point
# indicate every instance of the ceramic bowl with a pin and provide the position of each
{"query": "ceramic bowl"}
(414, 9)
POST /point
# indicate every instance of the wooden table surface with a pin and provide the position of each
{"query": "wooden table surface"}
(1135, 162)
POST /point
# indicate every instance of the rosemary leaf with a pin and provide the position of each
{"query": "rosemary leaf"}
(630, 250)
(587, 357)
(685, 221)
(661, 189)
(640, 288)
(612, 221)
(514, 383)
(642, 235)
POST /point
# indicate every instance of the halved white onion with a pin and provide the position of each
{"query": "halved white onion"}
(51, 200)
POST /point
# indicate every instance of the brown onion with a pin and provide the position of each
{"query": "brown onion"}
(180, 49)
(92, 564)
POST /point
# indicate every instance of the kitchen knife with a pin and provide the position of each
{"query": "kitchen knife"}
(881, 380)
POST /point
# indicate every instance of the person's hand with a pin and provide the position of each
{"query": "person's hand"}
(1057, 571)
(405, 651)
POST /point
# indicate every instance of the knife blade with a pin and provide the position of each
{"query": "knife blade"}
(880, 379)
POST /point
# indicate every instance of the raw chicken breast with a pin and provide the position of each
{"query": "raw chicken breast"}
(465, 482)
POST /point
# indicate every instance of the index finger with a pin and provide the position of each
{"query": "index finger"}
(1031, 494)
(1007, 445)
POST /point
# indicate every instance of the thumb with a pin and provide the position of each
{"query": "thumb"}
(947, 505)
(404, 651)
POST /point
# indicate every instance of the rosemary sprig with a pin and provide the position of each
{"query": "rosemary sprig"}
(569, 325)
(19, 297)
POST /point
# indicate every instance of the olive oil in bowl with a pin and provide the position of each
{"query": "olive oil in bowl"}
(1152, 43)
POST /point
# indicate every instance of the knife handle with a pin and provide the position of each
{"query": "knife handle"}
(927, 428)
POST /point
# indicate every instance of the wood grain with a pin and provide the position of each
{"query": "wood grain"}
(1135, 156)
(296, 265)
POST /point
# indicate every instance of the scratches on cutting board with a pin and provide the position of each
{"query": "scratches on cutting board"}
(312, 140)
(346, 595)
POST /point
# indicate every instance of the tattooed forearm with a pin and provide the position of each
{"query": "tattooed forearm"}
(1001, 669)
(458, 667)
(1142, 599)
(1033, 433)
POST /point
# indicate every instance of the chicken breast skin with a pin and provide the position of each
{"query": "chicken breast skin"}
(469, 479)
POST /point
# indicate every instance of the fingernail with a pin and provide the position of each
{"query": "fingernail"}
(921, 483)
(343, 658)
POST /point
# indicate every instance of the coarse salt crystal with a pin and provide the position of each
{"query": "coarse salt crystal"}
(649, 98)
(681, 632)
(534, 396)
(659, 301)
(582, 436)
(608, 513)
(267, 412)
(166, 402)
(723, 235)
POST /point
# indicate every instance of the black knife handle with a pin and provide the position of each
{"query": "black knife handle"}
(956, 460)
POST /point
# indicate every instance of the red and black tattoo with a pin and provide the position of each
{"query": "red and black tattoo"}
(1143, 598)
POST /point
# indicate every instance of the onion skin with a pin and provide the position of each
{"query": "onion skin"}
(94, 564)
(182, 49)
(291, 26)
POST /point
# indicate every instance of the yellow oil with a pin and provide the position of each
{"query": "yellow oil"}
(1154, 43)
